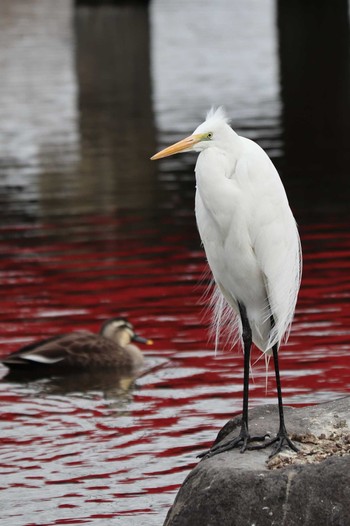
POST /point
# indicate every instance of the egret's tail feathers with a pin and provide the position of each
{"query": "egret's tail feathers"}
(267, 357)
(225, 322)
(283, 292)
(218, 311)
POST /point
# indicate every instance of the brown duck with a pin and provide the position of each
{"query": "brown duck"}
(112, 348)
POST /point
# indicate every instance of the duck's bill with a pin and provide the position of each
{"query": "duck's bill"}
(140, 339)
(178, 147)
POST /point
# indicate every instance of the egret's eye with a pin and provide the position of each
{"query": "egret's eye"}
(210, 135)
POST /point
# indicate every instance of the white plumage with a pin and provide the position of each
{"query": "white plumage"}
(253, 249)
(248, 231)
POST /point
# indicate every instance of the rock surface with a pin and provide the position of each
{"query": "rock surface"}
(310, 488)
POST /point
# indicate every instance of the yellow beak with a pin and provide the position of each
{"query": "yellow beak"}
(185, 144)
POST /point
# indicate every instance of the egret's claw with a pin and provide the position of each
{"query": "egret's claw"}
(243, 440)
(281, 440)
(280, 443)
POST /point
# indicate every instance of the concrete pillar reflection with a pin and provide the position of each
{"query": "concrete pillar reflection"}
(315, 90)
(116, 118)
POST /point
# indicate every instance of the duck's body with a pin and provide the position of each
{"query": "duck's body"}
(82, 350)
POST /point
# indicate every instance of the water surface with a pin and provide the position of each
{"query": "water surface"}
(91, 229)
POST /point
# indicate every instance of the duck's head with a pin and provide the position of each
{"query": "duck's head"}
(121, 332)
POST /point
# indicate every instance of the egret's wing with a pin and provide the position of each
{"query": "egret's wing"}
(275, 241)
(277, 250)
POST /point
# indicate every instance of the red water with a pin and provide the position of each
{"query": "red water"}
(90, 229)
(82, 451)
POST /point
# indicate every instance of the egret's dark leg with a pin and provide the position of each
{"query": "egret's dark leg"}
(281, 439)
(247, 345)
(243, 438)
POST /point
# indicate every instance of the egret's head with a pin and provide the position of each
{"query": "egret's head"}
(214, 131)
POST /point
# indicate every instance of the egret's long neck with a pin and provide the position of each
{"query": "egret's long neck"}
(215, 175)
(217, 190)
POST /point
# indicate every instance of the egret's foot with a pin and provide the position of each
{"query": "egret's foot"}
(279, 442)
(241, 441)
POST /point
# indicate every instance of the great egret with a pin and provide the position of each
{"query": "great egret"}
(82, 350)
(252, 246)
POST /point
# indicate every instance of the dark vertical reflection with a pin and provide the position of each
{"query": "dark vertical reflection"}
(96, 3)
(315, 89)
(116, 120)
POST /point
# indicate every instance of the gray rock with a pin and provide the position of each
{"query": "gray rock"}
(311, 488)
